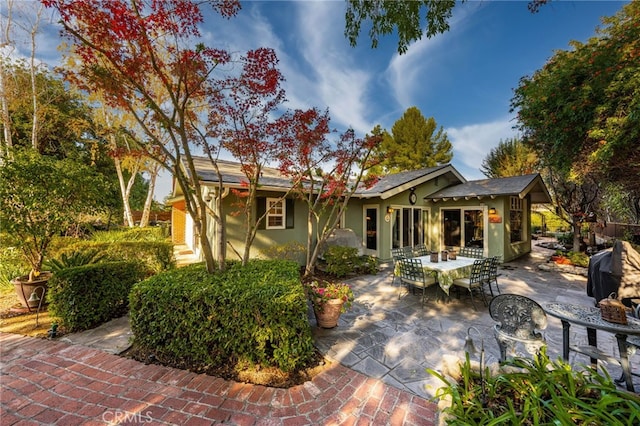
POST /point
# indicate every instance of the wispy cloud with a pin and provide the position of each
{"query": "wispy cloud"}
(472, 143)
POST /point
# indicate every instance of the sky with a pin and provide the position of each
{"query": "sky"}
(463, 78)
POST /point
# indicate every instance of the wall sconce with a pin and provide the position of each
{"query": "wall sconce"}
(492, 210)
(389, 209)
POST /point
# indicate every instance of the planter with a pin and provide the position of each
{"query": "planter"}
(24, 288)
(328, 314)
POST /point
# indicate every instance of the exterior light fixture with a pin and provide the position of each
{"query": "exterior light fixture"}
(492, 210)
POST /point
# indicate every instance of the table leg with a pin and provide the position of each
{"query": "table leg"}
(565, 339)
(624, 361)
(592, 338)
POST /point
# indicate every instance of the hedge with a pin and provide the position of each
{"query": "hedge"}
(255, 314)
(86, 296)
(156, 256)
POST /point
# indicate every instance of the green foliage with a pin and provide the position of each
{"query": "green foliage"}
(579, 112)
(510, 158)
(292, 250)
(12, 265)
(86, 296)
(537, 391)
(41, 197)
(405, 17)
(76, 258)
(578, 258)
(553, 222)
(343, 261)
(157, 256)
(151, 233)
(255, 314)
(413, 144)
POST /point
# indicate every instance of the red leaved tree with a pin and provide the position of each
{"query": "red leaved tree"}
(143, 55)
(325, 174)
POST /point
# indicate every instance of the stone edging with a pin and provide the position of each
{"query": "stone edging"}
(566, 269)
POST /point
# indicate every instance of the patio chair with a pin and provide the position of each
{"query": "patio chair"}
(519, 321)
(420, 250)
(492, 273)
(397, 254)
(474, 252)
(412, 274)
(475, 281)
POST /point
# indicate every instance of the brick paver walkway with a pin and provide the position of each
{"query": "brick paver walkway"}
(51, 382)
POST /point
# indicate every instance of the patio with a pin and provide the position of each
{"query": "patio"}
(395, 340)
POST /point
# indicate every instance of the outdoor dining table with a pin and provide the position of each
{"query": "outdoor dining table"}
(448, 270)
(591, 318)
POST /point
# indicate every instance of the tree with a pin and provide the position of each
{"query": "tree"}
(510, 158)
(402, 16)
(145, 53)
(41, 197)
(306, 151)
(413, 143)
(579, 113)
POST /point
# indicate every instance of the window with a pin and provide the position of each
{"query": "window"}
(516, 219)
(275, 214)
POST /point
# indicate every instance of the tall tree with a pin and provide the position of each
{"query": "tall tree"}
(510, 158)
(579, 113)
(414, 143)
(145, 52)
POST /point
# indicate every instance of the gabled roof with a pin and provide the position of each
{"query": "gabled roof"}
(492, 188)
(393, 184)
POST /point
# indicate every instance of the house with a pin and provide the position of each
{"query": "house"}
(436, 206)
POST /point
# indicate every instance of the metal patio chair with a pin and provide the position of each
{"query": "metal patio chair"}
(474, 281)
(413, 275)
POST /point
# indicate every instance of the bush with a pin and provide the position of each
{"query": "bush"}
(255, 314)
(342, 261)
(537, 391)
(130, 234)
(86, 296)
(12, 265)
(292, 250)
(156, 256)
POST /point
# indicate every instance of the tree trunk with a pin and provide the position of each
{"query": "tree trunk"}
(34, 90)
(577, 235)
(144, 220)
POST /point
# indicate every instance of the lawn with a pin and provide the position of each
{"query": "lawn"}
(15, 319)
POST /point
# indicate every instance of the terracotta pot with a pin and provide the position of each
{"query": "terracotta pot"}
(328, 314)
(24, 288)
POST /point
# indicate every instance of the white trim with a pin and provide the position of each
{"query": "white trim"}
(272, 203)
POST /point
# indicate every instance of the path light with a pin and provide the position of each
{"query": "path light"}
(35, 298)
(470, 349)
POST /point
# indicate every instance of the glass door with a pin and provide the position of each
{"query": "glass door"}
(371, 230)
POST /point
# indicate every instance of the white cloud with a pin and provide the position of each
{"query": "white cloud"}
(335, 78)
(472, 143)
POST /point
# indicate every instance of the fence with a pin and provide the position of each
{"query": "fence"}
(620, 230)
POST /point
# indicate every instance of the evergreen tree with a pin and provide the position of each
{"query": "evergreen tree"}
(414, 143)
(510, 158)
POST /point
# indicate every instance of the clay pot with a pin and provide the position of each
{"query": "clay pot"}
(328, 314)
(24, 288)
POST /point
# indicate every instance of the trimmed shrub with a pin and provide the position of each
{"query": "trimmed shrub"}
(86, 296)
(255, 314)
(343, 261)
(157, 256)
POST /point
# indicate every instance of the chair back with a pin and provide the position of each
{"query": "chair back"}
(475, 252)
(397, 254)
(411, 270)
(420, 250)
(493, 267)
(518, 316)
(478, 272)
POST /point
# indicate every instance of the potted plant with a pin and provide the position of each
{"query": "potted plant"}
(329, 301)
(40, 198)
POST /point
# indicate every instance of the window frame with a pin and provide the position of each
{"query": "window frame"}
(270, 214)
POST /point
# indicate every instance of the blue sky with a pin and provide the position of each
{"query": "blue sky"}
(464, 78)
